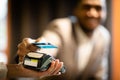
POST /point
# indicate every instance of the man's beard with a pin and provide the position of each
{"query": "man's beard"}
(86, 30)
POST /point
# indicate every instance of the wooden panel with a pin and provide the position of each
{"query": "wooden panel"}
(9, 30)
(116, 40)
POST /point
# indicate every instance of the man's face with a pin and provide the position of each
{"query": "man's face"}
(89, 13)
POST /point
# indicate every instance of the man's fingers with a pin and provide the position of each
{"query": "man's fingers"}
(38, 40)
(32, 47)
(23, 48)
(22, 51)
(55, 67)
(58, 68)
(51, 67)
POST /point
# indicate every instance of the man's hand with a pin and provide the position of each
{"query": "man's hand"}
(24, 47)
(53, 70)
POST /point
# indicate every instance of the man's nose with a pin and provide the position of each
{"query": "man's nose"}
(93, 13)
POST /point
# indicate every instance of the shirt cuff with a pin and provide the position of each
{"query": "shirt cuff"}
(3, 70)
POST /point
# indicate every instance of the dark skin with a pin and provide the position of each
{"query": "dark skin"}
(89, 14)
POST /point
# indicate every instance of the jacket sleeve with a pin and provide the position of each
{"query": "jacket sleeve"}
(103, 71)
(51, 35)
(3, 70)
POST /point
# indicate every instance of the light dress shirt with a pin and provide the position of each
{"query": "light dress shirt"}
(85, 46)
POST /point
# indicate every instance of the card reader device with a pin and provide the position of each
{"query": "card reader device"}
(39, 61)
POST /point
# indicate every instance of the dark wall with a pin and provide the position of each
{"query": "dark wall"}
(29, 17)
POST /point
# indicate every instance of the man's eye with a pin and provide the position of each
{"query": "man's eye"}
(86, 7)
(98, 8)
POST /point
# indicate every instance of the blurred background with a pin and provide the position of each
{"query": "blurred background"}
(28, 18)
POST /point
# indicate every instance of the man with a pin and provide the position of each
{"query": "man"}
(82, 42)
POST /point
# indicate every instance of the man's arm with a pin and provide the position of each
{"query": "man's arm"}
(17, 70)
